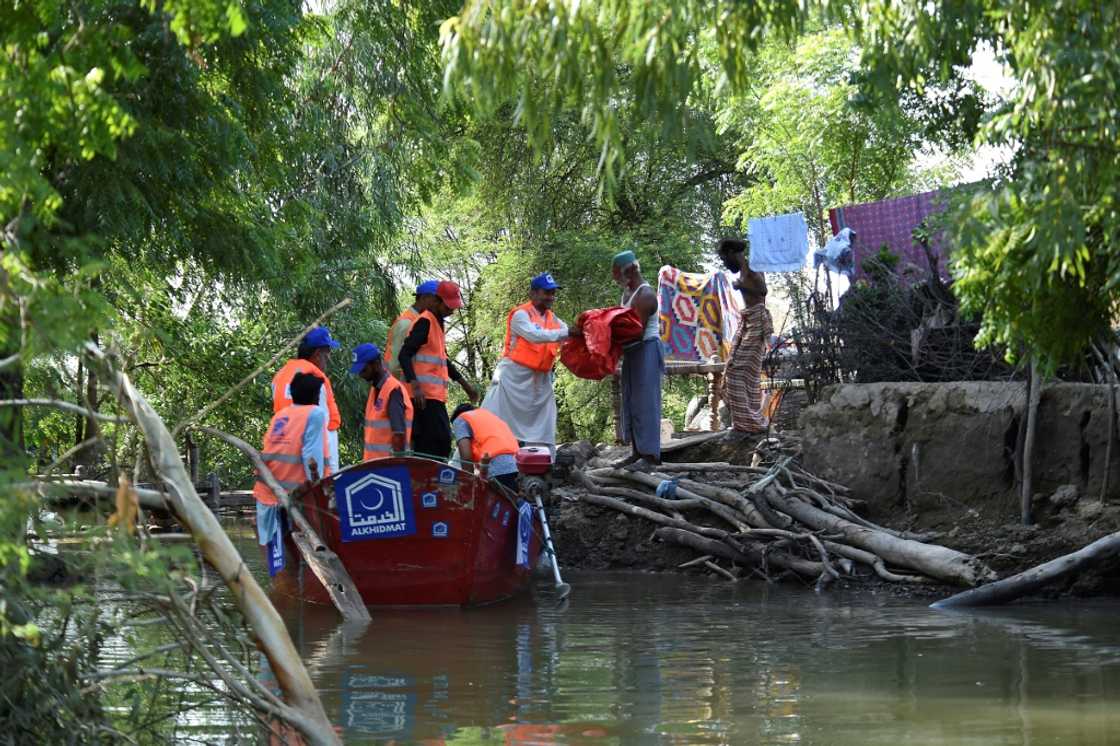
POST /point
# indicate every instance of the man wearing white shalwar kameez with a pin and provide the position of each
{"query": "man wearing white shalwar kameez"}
(522, 392)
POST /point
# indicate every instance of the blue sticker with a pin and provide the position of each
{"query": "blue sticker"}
(428, 500)
(276, 553)
(375, 504)
(439, 530)
(447, 476)
(524, 533)
(497, 507)
(505, 518)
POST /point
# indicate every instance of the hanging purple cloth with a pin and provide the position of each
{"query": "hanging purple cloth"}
(891, 222)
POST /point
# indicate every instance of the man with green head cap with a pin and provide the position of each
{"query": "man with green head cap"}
(643, 363)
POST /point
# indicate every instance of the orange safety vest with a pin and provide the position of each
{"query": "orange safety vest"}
(378, 431)
(411, 315)
(430, 361)
(537, 356)
(282, 395)
(282, 451)
(490, 435)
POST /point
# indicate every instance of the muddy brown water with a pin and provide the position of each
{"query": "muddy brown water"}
(672, 658)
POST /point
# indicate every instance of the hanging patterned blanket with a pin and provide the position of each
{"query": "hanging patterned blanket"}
(699, 314)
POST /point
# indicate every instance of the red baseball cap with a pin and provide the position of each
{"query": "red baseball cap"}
(449, 293)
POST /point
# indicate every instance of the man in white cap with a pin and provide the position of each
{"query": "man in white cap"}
(521, 392)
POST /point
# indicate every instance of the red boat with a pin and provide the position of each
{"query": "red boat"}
(413, 531)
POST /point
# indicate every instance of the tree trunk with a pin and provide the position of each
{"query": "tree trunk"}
(1035, 578)
(307, 712)
(930, 559)
(1034, 394)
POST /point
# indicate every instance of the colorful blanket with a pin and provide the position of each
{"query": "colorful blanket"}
(699, 314)
(891, 223)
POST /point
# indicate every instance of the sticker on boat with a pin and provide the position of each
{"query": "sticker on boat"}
(447, 476)
(375, 504)
(428, 500)
(439, 530)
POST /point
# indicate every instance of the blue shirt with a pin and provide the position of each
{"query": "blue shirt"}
(503, 463)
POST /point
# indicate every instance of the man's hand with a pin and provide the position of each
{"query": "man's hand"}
(575, 331)
(471, 391)
(418, 395)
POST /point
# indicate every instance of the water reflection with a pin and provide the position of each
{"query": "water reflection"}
(644, 659)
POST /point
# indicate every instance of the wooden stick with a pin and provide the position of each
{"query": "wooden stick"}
(751, 555)
(304, 709)
(1034, 395)
(678, 445)
(263, 366)
(323, 562)
(63, 405)
(716, 568)
(725, 512)
(692, 563)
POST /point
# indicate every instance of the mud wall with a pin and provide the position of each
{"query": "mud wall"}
(913, 444)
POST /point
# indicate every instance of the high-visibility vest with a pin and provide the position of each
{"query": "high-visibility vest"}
(378, 430)
(282, 451)
(409, 314)
(490, 435)
(282, 394)
(430, 361)
(537, 356)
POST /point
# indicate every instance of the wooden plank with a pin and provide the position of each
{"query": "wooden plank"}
(323, 562)
(329, 570)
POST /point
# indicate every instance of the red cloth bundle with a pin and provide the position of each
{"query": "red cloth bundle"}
(595, 355)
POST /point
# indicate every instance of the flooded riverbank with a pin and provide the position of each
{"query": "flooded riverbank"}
(669, 658)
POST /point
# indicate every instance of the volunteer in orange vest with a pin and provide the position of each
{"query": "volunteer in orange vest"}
(425, 294)
(293, 448)
(428, 372)
(521, 392)
(481, 435)
(313, 354)
(388, 418)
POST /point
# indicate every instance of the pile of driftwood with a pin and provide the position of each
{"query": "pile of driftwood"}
(772, 519)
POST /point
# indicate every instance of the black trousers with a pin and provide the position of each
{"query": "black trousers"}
(431, 430)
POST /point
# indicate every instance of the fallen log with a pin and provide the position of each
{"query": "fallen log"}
(303, 708)
(1029, 581)
(639, 512)
(726, 512)
(752, 555)
(929, 559)
(58, 491)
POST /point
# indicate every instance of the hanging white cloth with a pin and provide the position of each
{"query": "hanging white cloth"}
(779, 243)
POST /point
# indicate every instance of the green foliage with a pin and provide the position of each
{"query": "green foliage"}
(1038, 254)
(806, 146)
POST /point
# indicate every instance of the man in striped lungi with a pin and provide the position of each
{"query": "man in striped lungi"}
(742, 376)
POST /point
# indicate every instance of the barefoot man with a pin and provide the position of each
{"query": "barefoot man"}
(742, 376)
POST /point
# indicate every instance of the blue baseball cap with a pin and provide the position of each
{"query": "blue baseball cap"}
(428, 287)
(363, 353)
(320, 336)
(544, 281)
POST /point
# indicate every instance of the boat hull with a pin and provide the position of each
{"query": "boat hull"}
(411, 532)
